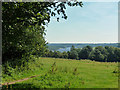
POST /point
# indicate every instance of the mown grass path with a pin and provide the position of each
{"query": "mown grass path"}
(9, 83)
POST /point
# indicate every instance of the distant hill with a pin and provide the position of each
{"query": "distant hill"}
(66, 46)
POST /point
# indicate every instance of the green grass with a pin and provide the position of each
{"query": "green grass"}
(63, 73)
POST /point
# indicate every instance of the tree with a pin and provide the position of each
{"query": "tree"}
(96, 55)
(113, 53)
(78, 50)
(24, 42)
(73, 53)
(103, 52)
(65, 55)
(84, 53)
(57, 54)
(72, 48)
(68, 52)
(51, 54)
(22, 19)
(117, 53)
(47, 53)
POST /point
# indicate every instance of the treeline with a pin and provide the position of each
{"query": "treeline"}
(102, 54)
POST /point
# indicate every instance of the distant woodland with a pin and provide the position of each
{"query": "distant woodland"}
(100, 53)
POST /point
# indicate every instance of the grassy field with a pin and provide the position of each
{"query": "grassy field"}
(63, 73)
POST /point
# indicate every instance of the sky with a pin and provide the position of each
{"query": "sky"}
(95, 22)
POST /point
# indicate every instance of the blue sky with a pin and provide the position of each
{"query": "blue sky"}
(94, 22)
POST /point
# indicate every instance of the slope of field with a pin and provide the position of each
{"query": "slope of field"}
(63, 73)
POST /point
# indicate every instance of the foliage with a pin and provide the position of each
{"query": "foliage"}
(23, 26)
(84, 53)
(57, 54)
(117, 53)
(96, 55)
(65, 55)
(99, 53)
(73, 53)
(112, 54)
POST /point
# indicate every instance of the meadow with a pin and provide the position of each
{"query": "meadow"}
(62, 73)
(25, 48)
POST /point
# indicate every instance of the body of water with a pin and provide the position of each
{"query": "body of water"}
(66, 47)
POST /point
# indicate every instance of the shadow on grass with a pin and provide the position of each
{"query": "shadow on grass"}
(18, 86)
(31, 87)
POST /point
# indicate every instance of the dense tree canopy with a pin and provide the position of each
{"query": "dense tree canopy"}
(84, 53)
(96, 55)
(23, 27)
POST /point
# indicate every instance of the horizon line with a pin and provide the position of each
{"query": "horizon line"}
(82, 42)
